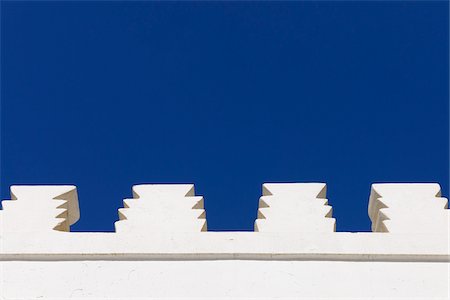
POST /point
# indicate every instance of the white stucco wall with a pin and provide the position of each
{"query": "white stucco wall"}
(160, 248)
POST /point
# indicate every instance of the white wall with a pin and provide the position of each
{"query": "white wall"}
(170, 256)
(224, 278)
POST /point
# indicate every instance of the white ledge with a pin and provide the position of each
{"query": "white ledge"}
(227, 245)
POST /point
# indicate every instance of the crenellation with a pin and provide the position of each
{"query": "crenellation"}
(403, 208)
(162, 208)
(160, 248)
(40, 208)
(283, 207)
(294, 207)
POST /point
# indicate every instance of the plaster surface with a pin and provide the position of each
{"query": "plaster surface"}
(161, 248)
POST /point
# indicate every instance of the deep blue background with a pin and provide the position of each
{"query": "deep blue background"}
(225, 95)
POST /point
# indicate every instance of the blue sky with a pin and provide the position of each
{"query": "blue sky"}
(225, 95)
